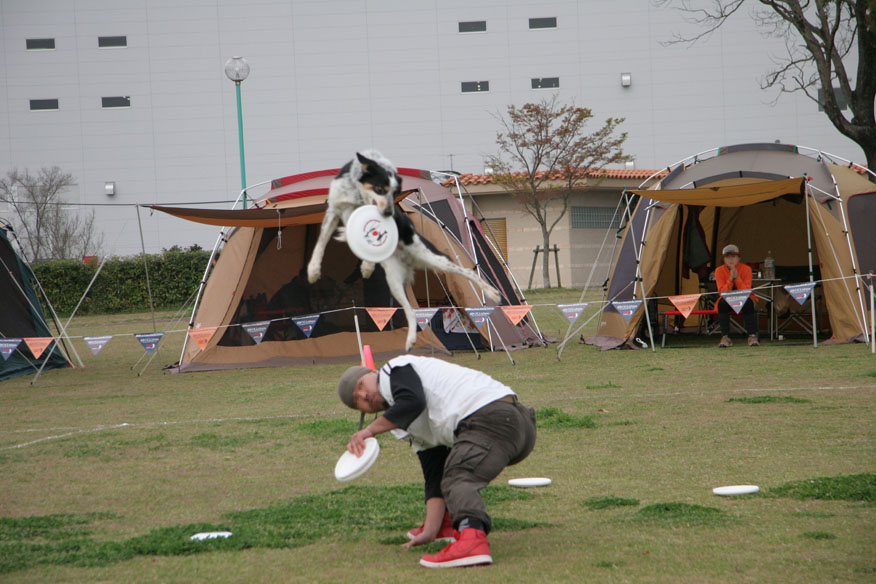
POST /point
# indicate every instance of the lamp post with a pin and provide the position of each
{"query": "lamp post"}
(237, 69)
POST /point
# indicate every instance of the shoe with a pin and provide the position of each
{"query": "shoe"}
(752, 341)
(470, 549)
(446, 533)
(725, 342)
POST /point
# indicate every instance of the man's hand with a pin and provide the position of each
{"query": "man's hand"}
(421, 539)
(357, 441)
(733, 273)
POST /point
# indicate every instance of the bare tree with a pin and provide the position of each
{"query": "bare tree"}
(545, 157)
(48, 229)
(820, 38)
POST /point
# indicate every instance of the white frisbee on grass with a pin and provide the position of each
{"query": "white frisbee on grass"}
(351, 467)
(370, 235)
(528, 483)
(734, 490)
(205, 535)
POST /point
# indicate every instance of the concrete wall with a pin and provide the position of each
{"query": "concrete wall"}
(333, 76)
(579, 248)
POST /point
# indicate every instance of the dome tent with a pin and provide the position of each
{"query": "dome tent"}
(766, 198)
(260, 276)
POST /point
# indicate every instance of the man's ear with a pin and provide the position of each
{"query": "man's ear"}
(365, 161)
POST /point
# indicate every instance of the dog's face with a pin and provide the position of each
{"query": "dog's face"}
(379, 183)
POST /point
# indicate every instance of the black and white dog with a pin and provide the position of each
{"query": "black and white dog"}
(372, 179)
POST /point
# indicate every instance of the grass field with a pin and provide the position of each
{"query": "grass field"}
(104, 474)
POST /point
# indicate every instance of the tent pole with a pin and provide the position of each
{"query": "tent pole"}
(872, 315)
(201, 287)
(639, 276)
(842, 211)
(808, 196)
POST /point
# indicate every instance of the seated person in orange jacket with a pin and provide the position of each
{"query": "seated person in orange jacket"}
(734, 275)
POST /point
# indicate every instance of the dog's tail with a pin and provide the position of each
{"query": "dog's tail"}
(340, 234)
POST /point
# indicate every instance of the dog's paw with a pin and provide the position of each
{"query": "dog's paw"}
(340, 235)
(367, 268)
(313, 273)
(411, 340)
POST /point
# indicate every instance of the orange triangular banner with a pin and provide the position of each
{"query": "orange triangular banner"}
(516, 313)
(685, 303)
(37, 345)
(381, 316)
(202, 335)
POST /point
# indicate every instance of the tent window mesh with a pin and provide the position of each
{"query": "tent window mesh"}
(107, 42)
(594, 218)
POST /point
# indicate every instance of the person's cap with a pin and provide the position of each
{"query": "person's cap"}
(730, 250)
(348, 383)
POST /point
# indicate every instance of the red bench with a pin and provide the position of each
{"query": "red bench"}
(668, 313)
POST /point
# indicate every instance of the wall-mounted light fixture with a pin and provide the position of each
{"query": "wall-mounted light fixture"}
(109, 188)
(626, 79)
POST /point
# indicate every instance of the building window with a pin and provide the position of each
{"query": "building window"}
(497, 232)
(40, 44)
(473, 26)
(543, 22)
(594, 218)
(111, 42)
(475, 86)
(545, 82)
(120, 101)
(837, 95)
(39, 105)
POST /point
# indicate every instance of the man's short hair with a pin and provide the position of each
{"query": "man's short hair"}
(730, 250)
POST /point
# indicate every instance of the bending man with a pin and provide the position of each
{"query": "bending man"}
(465, 428)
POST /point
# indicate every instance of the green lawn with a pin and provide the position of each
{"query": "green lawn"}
(105, 473)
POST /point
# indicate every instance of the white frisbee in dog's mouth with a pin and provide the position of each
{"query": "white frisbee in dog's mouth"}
(370, 235)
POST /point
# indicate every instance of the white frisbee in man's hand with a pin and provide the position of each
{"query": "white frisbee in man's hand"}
(351, 467)
(734, 490)
(370, 235)
(530, 482)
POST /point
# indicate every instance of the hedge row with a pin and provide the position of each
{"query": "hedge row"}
(121, 285)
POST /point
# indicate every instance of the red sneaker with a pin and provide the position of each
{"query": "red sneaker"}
(470, 549)
(446, 533)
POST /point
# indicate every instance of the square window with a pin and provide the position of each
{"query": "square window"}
(475, 86)
(545, 82)
(543, 22)
(837, 95)
(120, 101)
(473, 26)
(109, 42)
(40, 44)
(37, 105)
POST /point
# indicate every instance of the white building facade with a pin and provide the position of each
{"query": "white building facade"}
(133, 92)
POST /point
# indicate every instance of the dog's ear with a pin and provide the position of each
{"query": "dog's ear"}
(365, 161)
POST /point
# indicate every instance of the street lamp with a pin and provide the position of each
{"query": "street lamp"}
(237, 69)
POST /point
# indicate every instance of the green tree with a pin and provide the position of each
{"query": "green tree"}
(545, 156)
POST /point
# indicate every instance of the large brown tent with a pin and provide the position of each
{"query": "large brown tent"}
(769, 199)
(260, 276)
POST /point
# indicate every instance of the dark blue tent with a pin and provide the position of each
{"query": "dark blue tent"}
(21, 315)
